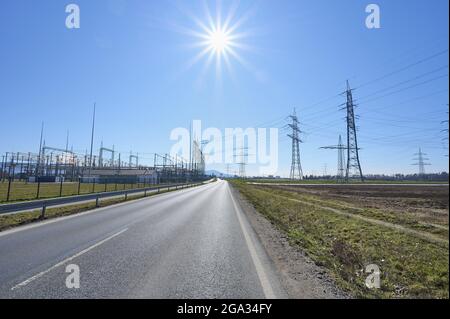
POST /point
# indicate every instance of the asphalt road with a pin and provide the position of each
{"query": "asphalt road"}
(193, 243)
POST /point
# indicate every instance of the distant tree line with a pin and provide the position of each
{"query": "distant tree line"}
(438, 177)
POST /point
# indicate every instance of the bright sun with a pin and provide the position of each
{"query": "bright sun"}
(219, 41)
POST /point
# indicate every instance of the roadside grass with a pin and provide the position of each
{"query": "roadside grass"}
(404, 218)
(21, 191)
(410, 267)
(19, 219)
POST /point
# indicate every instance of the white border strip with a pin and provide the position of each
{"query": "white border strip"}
(263, 278)
(31, 279)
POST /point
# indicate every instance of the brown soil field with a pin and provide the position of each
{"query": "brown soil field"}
(403, 229)
(428, 203)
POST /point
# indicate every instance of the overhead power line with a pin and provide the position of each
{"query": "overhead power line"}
(404, 89)
(407, 81)
(403, 68)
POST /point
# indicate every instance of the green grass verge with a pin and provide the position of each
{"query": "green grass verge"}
(331, 182)
(410, 267)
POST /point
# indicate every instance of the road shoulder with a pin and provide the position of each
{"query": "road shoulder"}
(299, 275)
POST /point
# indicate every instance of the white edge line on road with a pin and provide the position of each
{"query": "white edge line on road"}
(31, 279)
(263, 278)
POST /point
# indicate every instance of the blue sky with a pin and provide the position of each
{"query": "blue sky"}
(131, 58)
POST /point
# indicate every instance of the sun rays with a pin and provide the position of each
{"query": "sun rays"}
(218, 41)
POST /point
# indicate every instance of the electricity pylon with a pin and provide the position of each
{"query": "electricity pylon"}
(421, 162)
(445, 131)
(341, 159)
(353, 163)
(296, 167)
(243, 154)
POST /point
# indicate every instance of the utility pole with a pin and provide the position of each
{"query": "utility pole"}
(353, 163)
(92, 141)
(296, 167)
(67, 141)
(341, 159)
(38, 165)
(2, 172)
(421, 162)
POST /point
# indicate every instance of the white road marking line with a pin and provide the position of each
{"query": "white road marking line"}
(26, 282)
(263, 278)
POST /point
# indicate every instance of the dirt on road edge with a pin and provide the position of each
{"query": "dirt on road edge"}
(299, 275)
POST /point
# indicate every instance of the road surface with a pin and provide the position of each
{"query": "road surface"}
(193, 243)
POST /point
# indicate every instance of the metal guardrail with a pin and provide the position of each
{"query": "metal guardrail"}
(43, 204)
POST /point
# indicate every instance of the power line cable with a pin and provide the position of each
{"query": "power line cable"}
(403, 69)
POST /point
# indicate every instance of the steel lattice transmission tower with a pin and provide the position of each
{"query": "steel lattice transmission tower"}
(341, 159)
(421, 162)
(296, 167)
(353, 163)
(445, 131)
(243, 154)
(242, 171)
